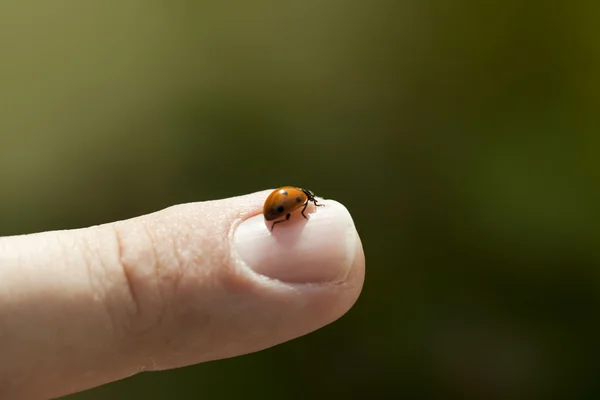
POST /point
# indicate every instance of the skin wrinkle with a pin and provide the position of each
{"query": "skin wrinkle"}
(170, 277)
(149, 316)
(155, 262)
(174, 283)
(178, 276)
(93, 277)
(168, 281)
(139, 343)
(63, 250)
(126, 274)
(106, 286)
(180, 262)
(194, 315)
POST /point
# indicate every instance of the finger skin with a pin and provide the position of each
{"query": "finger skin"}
(85, 307)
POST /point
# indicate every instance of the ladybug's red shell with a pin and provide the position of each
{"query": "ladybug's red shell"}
(285, 200)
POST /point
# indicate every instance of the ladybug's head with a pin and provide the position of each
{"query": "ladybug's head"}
(308, 193)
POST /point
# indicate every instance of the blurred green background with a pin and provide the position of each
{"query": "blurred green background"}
(463, 137)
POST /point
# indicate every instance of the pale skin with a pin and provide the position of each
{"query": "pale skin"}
(185, 285)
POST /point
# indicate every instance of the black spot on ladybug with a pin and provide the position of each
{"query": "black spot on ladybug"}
(284, 192)
(280, 209)
(298, 199)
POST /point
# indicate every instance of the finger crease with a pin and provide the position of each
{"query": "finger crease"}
(126, 272)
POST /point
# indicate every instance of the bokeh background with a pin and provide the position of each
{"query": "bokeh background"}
(462, 135)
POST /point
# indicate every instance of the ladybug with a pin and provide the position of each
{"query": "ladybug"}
(283, 201)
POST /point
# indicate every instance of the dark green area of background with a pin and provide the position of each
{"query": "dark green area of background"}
(463, 136)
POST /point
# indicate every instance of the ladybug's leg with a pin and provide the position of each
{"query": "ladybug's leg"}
(306, 205)
(281, 220)
(304, 208)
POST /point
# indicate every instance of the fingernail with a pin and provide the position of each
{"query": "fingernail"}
(318, 249)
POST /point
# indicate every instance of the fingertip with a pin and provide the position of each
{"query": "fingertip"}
(320, 248)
